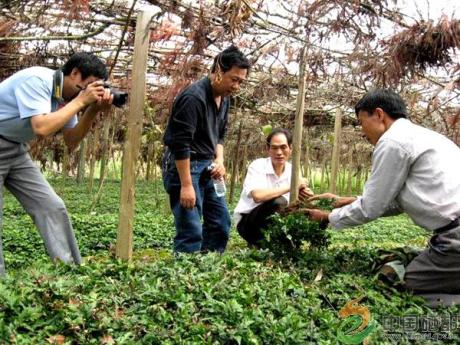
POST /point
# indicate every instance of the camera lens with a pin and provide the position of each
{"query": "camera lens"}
(119, 98)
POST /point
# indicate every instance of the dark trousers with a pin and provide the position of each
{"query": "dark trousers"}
(191, 234)
(251, 225)
(435, 273)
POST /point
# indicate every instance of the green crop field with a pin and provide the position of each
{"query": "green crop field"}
(242, 297)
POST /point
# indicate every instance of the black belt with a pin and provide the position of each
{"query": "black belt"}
(450, 226)
(194, 156)
(201, 158)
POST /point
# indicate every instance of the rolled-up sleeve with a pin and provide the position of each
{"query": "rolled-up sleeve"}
(390, 167)
(185, 114)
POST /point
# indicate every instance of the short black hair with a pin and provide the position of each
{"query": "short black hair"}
(229, 58)
(276, 131)
(390, 102)
(88, 64)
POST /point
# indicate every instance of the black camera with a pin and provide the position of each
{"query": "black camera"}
(119, 97)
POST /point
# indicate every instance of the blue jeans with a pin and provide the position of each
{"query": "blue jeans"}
(191, 235)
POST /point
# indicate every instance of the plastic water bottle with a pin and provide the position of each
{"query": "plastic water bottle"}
(219, 186)
(219, 183)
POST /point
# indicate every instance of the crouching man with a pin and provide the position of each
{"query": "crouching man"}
(266, 188)
(414, 170)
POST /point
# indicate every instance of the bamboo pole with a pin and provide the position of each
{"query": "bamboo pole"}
(323, 175)
(236, 158)
(92, 162)
(244, 159)
(124, 246)
(150, 161)
(81, 161)
(65, 164)
(350, 174)
(105, 149)
(297, 141)
(306, 157)
(335, 151)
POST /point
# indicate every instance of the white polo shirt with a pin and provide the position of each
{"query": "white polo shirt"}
(260, 176)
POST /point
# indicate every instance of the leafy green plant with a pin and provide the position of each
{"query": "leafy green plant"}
(325, 204)
(287, 234)
(240, 297)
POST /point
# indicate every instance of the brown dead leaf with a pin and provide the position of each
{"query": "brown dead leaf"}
(57, 339)
(119, 313)
(107, 340)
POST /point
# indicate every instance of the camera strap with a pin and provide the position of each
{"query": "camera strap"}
(58, 84)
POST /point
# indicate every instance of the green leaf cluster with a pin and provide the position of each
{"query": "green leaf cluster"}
(241, 297)
(325, 204)
(287, 235)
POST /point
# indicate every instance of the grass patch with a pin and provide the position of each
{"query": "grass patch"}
(242, 297)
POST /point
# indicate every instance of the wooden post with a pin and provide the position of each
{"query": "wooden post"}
(81, 161)
(306, 157)
(104, 149)
(65, 164)
(124, 246)
(350, 173)
(150, 161)
(323, 175)
(154, 162)
(297, 140)
(244, 158)
(335, 151)
(93, 139)
(236, 158)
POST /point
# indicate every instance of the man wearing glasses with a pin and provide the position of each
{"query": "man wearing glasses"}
(415, 171)
(37, 102)
(266, 188)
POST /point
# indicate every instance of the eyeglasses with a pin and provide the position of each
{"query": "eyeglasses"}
(277, 147)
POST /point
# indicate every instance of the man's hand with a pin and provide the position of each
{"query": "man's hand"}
(187, 197)
(304, 191)
(103, 104)
(219, 169)
(318, 215)
(94, 92)
(338, 201)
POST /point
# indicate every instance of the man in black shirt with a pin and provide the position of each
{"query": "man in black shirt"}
(194, 138)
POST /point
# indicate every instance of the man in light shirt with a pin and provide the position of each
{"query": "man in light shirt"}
(38, 101)
(266, 188)
(417, 171)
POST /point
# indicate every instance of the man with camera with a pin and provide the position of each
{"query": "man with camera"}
(194, 138)
(37, 102)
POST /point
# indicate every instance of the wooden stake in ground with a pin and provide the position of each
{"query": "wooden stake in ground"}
(124, 247)
(297, 140)
(82, 161)
(336, 151)
(236, 159)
